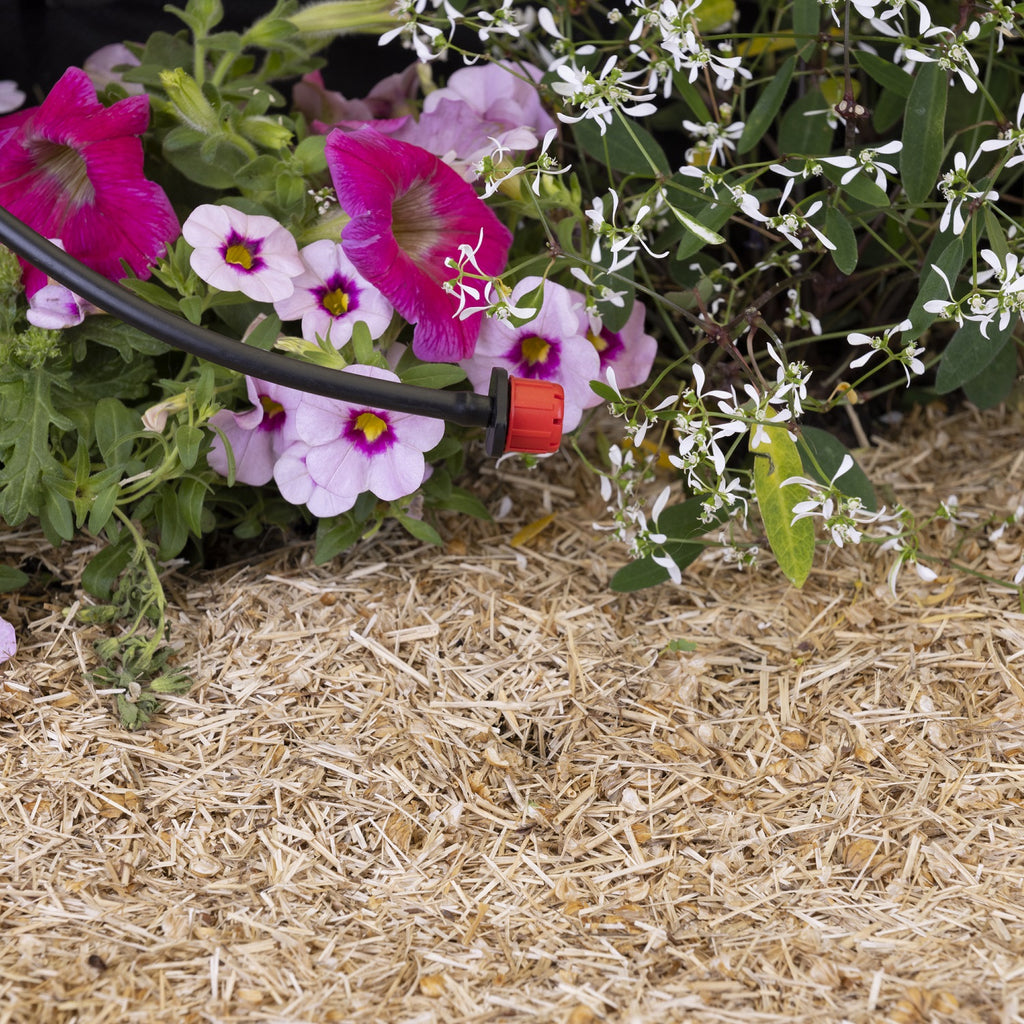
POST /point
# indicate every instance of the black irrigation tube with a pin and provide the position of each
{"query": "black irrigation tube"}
(462, 407)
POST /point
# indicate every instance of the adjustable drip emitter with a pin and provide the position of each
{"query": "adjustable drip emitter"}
(520, 414)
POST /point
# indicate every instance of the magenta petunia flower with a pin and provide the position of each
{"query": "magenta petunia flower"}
(8, 641)
(72, 169)
(410, 213)
(331, 296)
(345, 449)
(554, 346)
(257, 436)
(241, 252)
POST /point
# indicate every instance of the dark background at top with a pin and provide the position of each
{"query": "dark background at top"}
(39, 39)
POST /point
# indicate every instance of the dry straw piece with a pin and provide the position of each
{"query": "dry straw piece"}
(470, 784)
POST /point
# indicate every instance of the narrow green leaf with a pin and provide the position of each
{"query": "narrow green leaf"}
(806, 21)
(433, 375)
(994, 233)
(767, 106)
(645, 572)
(996, 381)
(775, 460)
(885, 73)
(841, 234)
(924, 132)
(968, 353)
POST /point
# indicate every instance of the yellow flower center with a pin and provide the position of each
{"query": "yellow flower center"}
(239, 255)
(535, 350)
(336, 302)
(597, 341)
(371, 425)
(270, 407)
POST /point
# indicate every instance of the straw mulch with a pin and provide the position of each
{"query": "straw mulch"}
(471, 784)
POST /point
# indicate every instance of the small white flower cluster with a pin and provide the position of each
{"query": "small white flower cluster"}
(427, 41)
(623, 243)
(679, 46)
(985, 305)
(906, 355)
(602, 96)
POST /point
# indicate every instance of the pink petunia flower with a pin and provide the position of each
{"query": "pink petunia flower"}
(240, 252)
(345, 449)
(482, 108)
(8, 641)
(553, 346)
(257, 436)
(390, 97)
(72, 169)
(410, 213)
(331, 296)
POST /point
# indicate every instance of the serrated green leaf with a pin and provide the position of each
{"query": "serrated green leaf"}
(924, 124)
(828, 453)
(969, 353)
(776, 458)
(767, 106)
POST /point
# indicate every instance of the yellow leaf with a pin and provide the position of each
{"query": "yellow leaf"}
(531, 530)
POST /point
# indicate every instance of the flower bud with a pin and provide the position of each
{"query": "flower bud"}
(340, 17)
(190, 104)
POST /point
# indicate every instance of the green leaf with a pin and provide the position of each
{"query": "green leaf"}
(637, 153)
(711, 218)
(461, 500)
(805, 130)
(432, 375)
(27, 413)
(924, 132)
(775, 460)
(949, 257)
(885, 73)
(115, 424)
(335, 535)
(420, 530)
(841, 234)
(645, 572)
(188, 440)
(171, 524)
(968, 353)
(767, 106)
(11, 578)
(100, 575)
(996, 381)
(819, 446)
(806, 21)
(995, 234)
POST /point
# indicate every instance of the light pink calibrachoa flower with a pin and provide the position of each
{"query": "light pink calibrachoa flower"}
(630, 351)
(553, 346)
(257, 436)
(8, 641)
(345, 449)
(72, 169)
(410, 213)
(11, 97)
(331, 296)
(242, 252)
